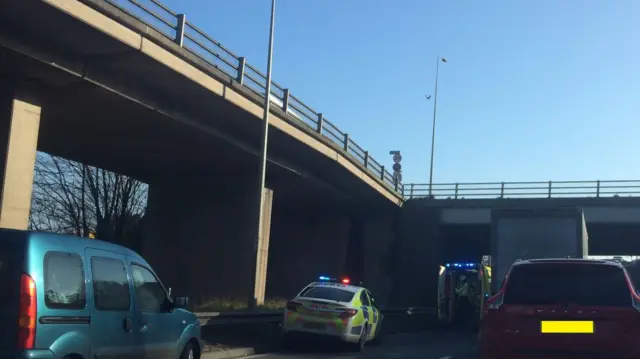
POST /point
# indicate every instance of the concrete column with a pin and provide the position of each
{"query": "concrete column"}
(263, 249)
(199, 236)
(19, 126)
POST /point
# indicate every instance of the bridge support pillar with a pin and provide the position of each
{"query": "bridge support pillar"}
(200, 237)
(19, 126)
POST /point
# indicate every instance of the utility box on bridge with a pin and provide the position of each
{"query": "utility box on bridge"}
(535, 233)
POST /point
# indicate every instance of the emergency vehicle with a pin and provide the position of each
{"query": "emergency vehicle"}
(478, 275)
(335, 308)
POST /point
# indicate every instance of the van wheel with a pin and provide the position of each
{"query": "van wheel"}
(188, 352)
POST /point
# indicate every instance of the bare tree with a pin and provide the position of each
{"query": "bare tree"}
(73, 198)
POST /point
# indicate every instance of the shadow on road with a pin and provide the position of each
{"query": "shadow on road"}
(264, 337)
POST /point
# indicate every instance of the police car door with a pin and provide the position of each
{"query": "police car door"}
(368, 313)
(377, 315)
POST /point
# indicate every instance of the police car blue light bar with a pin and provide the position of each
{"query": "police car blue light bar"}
(460, 265)
(344, 280)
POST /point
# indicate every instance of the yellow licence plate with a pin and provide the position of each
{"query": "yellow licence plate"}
(567, 327)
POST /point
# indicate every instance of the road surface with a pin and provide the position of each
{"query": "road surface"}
(422, 345)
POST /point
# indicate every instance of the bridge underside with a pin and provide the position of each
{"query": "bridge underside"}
(105, 105)
(93, 112)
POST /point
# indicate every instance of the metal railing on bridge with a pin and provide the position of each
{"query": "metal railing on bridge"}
(549, 189)
(178, 29)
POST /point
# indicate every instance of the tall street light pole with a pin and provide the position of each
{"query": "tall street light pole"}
(433, 129)
(263, 157)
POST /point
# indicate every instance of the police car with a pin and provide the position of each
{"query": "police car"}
(335, 308)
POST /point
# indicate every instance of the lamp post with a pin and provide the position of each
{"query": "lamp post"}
(433, 129)
(263, 158)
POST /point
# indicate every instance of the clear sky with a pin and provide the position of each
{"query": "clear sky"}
(533, 90)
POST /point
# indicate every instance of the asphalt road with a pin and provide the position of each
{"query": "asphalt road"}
(422, 345)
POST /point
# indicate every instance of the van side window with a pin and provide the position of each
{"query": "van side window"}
(110, 284)
(64, 281)
(150, 296)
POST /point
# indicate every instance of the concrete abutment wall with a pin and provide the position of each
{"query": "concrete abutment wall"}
(198, 237)
(416, 256)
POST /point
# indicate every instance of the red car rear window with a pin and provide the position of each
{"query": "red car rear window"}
(581, 284)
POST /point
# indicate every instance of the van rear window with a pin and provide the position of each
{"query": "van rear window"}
(578, 284)
(328, 293)
(64, 281)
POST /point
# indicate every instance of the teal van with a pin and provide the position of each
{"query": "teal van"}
(73, 298)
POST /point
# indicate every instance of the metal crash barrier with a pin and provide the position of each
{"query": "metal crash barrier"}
(275, 316)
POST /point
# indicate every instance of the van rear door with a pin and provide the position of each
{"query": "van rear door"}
(11, 263)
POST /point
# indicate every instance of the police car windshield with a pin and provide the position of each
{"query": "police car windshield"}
(328, 293)
(578, 284)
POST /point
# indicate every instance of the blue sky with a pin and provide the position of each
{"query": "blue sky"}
(533, 90)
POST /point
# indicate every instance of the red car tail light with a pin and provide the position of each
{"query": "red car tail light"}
(348, 313)
(27, 313)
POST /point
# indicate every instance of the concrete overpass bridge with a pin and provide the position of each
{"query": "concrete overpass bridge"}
(141, 91)
(454, 223)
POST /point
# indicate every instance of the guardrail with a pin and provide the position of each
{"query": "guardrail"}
(176, 28)
(547, 189)
(275, 316)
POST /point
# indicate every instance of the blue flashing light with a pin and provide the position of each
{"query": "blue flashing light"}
(461, 265)
(322, 277)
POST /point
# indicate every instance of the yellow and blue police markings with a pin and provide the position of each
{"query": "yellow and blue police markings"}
(305, 316)
(371, 317)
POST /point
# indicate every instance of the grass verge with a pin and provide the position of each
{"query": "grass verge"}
(232, 304)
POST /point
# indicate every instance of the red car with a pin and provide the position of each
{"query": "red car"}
(562, 308)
